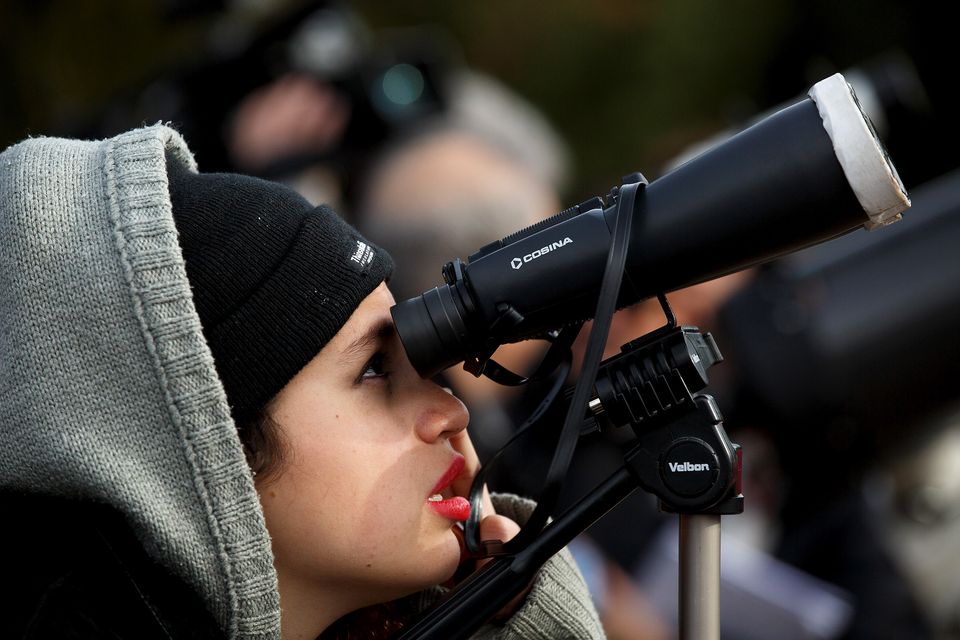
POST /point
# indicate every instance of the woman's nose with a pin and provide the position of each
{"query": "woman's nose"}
(443, 415)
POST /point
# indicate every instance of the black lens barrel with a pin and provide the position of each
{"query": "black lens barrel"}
(774, 188)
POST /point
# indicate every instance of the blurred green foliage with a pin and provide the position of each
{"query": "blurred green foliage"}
(627, 83)
(61, 62)
(631, 83)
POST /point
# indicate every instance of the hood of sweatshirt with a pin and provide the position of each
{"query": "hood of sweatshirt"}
(108, 389)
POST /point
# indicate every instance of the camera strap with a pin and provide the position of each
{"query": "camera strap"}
(560, 368)
(560, 343)
(629, 198)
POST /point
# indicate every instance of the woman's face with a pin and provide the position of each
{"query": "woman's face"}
(367, 442)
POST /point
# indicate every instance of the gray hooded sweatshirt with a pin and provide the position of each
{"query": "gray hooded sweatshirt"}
(109, 393)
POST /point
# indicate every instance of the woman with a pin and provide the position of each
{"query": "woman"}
(209, 427)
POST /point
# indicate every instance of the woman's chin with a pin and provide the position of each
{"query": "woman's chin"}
(436, 566)
(450, 554)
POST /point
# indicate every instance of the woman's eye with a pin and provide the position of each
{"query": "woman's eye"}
(375, 368)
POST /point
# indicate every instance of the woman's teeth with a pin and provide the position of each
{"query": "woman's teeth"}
(435, 498)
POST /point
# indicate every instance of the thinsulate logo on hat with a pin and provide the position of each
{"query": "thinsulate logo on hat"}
(362, 256)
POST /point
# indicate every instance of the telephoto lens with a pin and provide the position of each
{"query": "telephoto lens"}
(810, 172)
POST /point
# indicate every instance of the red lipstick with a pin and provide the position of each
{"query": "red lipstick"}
(454, 470)
(457, 507)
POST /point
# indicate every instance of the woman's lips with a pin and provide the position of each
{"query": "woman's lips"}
(457, 507)
(454, 470)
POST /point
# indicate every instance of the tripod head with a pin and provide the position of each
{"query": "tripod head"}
(681, 452)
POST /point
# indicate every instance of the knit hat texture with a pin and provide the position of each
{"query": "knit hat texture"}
(273, 277)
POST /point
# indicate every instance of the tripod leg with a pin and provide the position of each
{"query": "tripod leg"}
(699, 577)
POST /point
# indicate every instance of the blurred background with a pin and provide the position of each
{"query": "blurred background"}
(628, 84)
(437, 127)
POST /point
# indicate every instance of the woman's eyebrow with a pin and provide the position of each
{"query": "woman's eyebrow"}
(375, 334)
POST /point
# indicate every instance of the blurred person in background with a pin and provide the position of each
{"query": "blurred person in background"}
(442, 194)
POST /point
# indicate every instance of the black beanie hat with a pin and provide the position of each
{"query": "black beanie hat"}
(273, 277)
